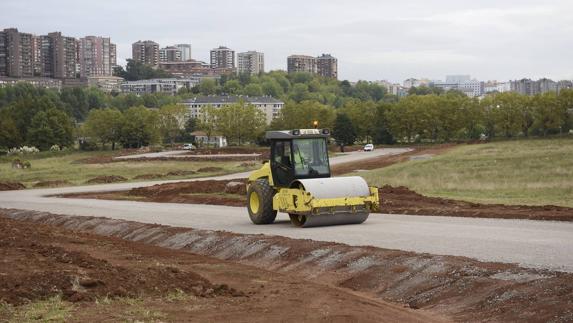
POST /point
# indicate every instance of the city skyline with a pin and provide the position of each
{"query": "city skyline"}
(372, 41)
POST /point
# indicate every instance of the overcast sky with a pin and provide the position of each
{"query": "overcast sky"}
(372, 39)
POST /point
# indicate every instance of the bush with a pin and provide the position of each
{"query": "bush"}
(55, 148)
(88, 145)
(25, 150)
(20, 164)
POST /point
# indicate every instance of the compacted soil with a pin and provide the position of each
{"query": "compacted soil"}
(102, 278)
(310, 280)
(396, 200)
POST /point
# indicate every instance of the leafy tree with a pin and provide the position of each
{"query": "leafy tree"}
(105, 125)
(343, 131)
(302, 115)
(547, 113)
(9, 134)
(231, 121)
(172, 121)
(139, 127)
(253, 90)
(135, 71)
(232, 87)
(208, 87)
(51, 127)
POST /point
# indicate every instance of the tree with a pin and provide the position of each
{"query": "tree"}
(253, 90)
(343, 131)
(208, 87)
(172, 121)
(135, 71)
(548, 114)
(363, 117)
(51, 127)
(139, 127)
(105, 125)
(239, 122)
(301, 115)
(9, 134)
(232, 87)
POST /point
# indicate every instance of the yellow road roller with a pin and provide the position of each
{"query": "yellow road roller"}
(297, 180)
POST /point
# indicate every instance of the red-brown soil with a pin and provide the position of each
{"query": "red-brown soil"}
(395, 200)
(106, 179)
(401, 200)
(11, 186)
(81, 267)
(383, 161)
(461, 288)
(149, 176)
(54, 183)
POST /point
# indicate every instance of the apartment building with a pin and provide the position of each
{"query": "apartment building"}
(222, 57)
(146, 52)
(251, 62)
(170, 54)
(301, 63)
(16, 53)
(185, 50)
(327, 66)
(97, 56)
(167, 85)
(270, 106)
(64, 55)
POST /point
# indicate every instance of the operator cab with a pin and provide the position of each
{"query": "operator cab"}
(298, 154)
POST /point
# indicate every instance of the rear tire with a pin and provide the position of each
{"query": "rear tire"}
(260, 202)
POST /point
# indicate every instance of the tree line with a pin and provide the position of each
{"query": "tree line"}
(360, 112)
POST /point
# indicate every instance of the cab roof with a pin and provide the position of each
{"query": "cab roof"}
(298, 133)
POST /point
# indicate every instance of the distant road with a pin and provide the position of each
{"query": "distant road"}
(181, 154)
(538, 244)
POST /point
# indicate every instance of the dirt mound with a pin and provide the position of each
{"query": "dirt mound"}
(11, 186)
(54, 183)
(106, 179)
(401, 200)
(149, 176)
(39, 269)
(461, 288)
(198, 192)
(209, 169)
(181, 173)
(383, 161)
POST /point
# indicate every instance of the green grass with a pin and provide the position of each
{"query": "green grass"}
(63, 167)
(53, 309)
(528, 172)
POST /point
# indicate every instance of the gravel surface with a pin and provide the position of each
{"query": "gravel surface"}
(536, 244)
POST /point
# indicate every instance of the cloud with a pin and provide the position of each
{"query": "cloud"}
(372, 39)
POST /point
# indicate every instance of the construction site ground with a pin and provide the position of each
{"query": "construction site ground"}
(393, 200)
(51, 272)
(96, 269)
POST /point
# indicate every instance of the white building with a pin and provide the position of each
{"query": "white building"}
(185, 50)
(169, 85)
(201, 139)
(494, 86)
(412, 82)
(251, 62)
(464, 83)
(270, 106)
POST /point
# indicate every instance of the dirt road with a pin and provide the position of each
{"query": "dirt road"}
(537, 244)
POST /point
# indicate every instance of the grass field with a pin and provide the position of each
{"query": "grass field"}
(65, 167)
(528, 172)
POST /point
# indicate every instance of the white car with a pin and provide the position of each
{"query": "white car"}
(188, 147)
(369, 147)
